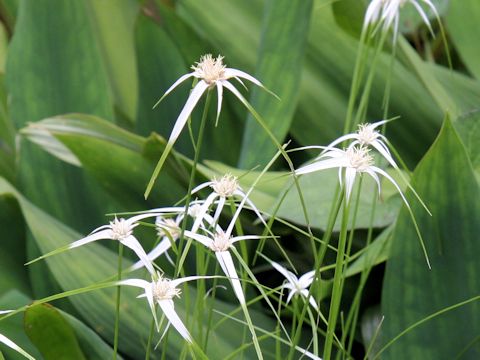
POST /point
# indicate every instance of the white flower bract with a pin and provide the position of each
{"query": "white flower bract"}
(296, 285)
(386, 13)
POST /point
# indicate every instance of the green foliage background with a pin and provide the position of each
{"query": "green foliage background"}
(79, 139)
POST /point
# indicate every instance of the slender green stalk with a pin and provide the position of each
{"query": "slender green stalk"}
(339, 195)
(337, 282)
(150, 338)
(117, 304)
(181, 259)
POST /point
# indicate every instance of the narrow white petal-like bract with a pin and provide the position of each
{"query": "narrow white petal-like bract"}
(204, 240)
(219, 100)
(241, 74)
(156, 252)
(192, 100)
(291, 277)
(169, 311)
(174, 85)
(12, 345)
(132, 243)
(226, 263)
(104, 234)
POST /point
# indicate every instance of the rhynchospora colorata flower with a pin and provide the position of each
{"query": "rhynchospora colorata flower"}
(350, 162)
(118, 229)
(211, 73)
(162, 291)
(297, 286)
(225, 187)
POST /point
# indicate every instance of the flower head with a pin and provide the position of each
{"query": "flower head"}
(164, 289)
(221, 242)
(209, 69)
(359, 158)
(121, 229)
(167, 227)
(367, 135)
(118, 229)
(226, 186)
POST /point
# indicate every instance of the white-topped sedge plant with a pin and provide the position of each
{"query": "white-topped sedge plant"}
(368, 135)
(356, 160)
(210, 73)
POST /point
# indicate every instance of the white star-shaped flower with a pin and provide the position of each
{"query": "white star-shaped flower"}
(225, 187)
(367, 135)
(211, 73)
(162, 291)
(350, 162)
(118, 229)
(296, 285)
(387, 12)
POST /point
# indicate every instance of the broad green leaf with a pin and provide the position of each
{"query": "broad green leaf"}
(91, 344)
(376, 253)
(160, 64)
(279, 67)
(7, 136)
(120, 161)
(97, 308)
(411, 292)
(53, 67)
(3, 47)
(349, 15)
(468, 127)
(465, 91)
(113, 23)
(318, 191)
(51, 333)
(13, 327)
(13, 254)
(462, 22)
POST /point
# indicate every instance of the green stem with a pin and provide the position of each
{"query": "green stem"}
(117, 305)
(339, 195)
(337, 282)
(181, 259)
(150, 338)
